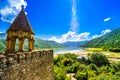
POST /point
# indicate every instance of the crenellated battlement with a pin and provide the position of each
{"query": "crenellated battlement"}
(27, 63)
(20, 57)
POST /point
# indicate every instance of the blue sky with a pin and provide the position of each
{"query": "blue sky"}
(64, 20)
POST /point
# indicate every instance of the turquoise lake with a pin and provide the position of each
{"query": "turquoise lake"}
(62, 50)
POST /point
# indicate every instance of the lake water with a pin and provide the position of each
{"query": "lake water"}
(62, 50)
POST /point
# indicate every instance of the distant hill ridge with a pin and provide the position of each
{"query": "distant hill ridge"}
(39, 44)
(77, 44)
(107, 42)
(42, 44)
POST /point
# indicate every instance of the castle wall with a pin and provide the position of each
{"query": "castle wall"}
(36, 65)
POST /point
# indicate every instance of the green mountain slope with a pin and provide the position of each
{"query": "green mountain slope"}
(2, 45)
(107, 42)
(45, 44)
(39, 44)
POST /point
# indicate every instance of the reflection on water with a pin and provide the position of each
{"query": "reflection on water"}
(62, 50)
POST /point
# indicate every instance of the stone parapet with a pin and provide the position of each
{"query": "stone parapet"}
(34, 65)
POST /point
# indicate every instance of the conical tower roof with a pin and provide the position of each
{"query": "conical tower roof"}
(21, 23)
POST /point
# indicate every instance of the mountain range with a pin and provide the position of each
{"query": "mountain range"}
(41, 44)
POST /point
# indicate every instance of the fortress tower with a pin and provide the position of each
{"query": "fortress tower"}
(20, 29)
(25, 65)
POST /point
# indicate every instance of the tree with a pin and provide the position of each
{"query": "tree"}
(93, 67)
(81, 75)
(98, 59)
(60, 73)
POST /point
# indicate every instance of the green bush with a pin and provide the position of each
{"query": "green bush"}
(71, 56)
(75, 66)
(93, 67)
(118, 65)
(81, 75)
(60, 73)
(92, 75)
(98, 59)
(58, 60)
(105, 76)
(116, 76)
(115, 67)
(82, 67)
(67, 61)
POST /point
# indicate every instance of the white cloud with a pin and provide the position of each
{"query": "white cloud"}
(105, 31)
(95, 36)
(1, 32)
(107, 19)
(10, 11)
(102, 33)
(74, 19)
(73, 36)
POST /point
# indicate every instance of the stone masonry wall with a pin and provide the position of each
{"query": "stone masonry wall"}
(37, 65)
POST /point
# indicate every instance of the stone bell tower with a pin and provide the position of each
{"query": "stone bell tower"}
(20, 29)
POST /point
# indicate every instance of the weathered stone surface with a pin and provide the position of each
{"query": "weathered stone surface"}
(37, 65)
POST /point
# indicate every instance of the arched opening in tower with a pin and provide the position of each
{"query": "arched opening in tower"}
(25, 45)
(16, 45)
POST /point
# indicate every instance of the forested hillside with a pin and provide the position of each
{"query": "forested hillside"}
(2, 45)
(109, 41)
(39, 43)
